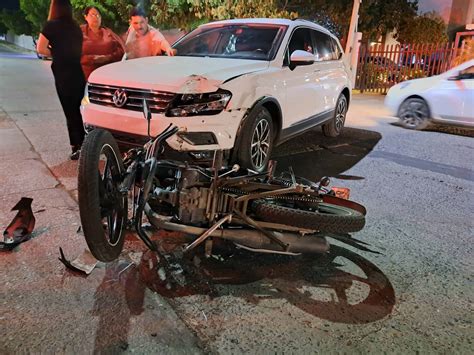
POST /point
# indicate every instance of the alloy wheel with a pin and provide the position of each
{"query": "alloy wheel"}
(414, 113)
(260, 145)
(340, 114)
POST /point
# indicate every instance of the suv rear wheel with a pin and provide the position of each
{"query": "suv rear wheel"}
(256, 140)
(334, 127)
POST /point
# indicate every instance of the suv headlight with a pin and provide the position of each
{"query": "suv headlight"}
(199, 104)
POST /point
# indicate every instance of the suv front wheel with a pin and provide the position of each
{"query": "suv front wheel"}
(256, 140)
(334, 127)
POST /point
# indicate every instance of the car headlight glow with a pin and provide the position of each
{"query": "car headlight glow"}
(199, 104)
(85, 99)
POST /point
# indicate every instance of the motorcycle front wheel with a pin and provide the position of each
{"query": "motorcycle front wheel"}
(323, 217)
(103, 209)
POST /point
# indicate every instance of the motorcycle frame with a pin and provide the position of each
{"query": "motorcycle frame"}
(147, 159)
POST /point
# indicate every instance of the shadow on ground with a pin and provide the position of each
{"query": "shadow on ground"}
(312, 155)
(459, 131)
(327, 286)
(119, 297)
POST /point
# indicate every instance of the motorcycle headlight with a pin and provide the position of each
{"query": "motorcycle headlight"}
(212, 103)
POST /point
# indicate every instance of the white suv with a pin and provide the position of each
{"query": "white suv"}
(238, 85)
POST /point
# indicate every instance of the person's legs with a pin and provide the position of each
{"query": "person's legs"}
(71, 108)
(70, 93)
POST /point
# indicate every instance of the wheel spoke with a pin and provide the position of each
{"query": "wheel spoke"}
(102, 187)
(102, 168)
(110, 227)
(258, 131)
(104, 212)
(341, 107)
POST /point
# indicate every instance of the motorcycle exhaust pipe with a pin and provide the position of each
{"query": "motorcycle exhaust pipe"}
(254, 239)
(250, 238)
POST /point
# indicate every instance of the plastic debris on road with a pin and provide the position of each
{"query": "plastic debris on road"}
(85, 262)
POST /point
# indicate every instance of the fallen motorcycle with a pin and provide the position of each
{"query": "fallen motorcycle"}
(259, 212)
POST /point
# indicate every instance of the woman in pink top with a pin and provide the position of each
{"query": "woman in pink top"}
(100, 45)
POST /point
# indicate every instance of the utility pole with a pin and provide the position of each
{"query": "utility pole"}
(353, 26)
(352, 44)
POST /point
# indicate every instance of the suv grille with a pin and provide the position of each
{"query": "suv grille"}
(130, 99)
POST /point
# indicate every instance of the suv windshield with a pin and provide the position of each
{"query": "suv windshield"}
(242, 41)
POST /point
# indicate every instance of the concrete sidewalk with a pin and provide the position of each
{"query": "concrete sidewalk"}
(44, 307)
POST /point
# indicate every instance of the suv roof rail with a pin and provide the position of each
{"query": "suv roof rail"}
(303, 19)
(313, 23)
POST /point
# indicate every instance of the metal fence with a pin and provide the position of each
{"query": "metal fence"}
(380, 67)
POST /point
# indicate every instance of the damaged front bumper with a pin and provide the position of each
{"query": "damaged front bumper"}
(197, 133)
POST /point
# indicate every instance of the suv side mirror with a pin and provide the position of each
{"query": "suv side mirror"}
(300, 57)
(454, 77)
(462, 75)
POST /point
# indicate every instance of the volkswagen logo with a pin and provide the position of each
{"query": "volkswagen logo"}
(120, 97)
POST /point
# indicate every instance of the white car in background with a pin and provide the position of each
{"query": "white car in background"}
(241, 86)
(444, 99)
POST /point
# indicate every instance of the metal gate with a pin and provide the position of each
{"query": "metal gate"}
(380, 67)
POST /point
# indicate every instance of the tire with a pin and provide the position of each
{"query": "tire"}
(334, 127)
(414, 113)
(328, 218)
(102, 208)
(256, 140)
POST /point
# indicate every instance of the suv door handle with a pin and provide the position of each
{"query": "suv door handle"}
(316, 70)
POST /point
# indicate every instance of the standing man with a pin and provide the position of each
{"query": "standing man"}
(142, 39)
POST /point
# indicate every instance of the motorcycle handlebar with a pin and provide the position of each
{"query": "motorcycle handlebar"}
(168, 132)
(154, 148)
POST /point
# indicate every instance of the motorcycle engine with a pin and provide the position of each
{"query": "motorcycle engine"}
(187, 190)
(192, 205)
(193, 195)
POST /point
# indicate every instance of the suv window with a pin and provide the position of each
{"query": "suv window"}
(300, 40)
(241, 41)
(337, 49)
(324, 46)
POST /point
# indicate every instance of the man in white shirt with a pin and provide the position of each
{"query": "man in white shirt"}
(142, 39)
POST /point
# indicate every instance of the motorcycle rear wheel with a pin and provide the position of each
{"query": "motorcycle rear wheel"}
(103, 209)
(325, 218)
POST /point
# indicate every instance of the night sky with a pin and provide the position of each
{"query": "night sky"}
(9, 4)
(442, 7)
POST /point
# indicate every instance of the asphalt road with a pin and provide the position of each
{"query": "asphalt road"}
(411, 292)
